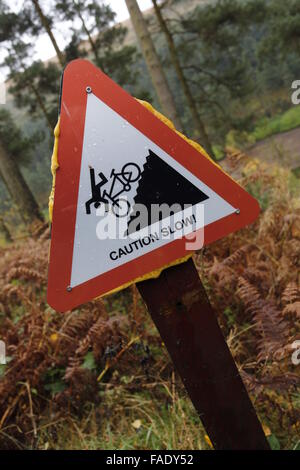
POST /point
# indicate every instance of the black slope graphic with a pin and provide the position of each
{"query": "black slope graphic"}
(161, 184)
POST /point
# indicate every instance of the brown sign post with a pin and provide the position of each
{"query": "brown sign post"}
(187, 323)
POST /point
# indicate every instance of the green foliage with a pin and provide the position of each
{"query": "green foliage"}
(208, 40)
(72, 50)
(13, 139)
(53, 381)
(232, 95)
(36, 89)
(12, 24)
(105, 39)
(4, 366)
(277, 124)
(7, 21)
(295, 176)
(220, 23)
(230, 317)
(2, 370)
(35, 86)
(274, 442)
(257, 190)
(89, 361)
(284, 28)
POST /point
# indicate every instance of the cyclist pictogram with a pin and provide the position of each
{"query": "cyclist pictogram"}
(120, 184)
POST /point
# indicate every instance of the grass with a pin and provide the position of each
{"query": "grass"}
(290, 119)
(264, 128)
(158, 416)
(136, 421)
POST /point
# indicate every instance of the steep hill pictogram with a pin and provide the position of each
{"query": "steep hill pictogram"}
(161, 184)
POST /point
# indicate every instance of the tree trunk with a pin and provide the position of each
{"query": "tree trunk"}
(46, 25)
(199, 127)
(18, 188)
(153, 63)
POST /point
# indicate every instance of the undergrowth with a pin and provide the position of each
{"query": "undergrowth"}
(99, 377)
(284, 122)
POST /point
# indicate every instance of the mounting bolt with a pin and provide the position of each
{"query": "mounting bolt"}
(237, 211)
(69, 288)
(88, 89)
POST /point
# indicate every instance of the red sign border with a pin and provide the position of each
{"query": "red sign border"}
(78, 75)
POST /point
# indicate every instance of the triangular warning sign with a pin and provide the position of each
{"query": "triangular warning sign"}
(130, 192)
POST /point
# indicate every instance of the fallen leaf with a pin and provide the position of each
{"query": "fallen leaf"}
(136, 424)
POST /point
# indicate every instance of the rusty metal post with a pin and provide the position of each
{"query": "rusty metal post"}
(181, 311)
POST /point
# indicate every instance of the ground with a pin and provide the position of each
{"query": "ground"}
(283, 149)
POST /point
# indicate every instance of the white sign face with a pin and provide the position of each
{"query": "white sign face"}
(124, 180)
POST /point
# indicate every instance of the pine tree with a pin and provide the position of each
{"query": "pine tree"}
(103, 39)
(33, 87)
(102, 17)
(13, 147)
(283, 31)
(199, 127)
(155, 69)
(216, 46)
(46, 23)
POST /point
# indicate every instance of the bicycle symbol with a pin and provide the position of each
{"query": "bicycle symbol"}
(130, 173)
